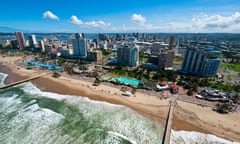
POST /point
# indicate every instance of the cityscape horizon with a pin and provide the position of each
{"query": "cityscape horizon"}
(120, 72)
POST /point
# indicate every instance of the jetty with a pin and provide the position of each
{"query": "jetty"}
(168, 124)
(22, 81)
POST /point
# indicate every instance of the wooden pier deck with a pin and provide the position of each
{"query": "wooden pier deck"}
(22, 81)
(168, 125)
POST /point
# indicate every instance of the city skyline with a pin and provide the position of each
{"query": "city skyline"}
(122, 16)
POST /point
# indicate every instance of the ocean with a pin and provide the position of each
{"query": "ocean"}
(29, 115)
(187, 137)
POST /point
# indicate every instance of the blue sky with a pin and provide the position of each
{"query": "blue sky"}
(122, 15)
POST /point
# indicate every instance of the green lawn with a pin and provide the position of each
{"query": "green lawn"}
(233, 67)
(177, 62)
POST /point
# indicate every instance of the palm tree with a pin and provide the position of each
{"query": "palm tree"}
(235, 98)
(56, 74)
(222, 108)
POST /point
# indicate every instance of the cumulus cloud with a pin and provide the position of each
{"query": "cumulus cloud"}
(99, 24)
(50, 15)
(138, 19)
(205, 23)
(199, 23)
(217, 21)
(94, 24)
(209, 23)
(75, 20)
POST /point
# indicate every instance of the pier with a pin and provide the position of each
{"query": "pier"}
(22, 81)
(168, 125)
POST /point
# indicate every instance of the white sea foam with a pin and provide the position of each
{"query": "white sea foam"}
(32, 89)
(117, 118)
(121, 136)
(26, 122)
(4, 76)
(191, 137)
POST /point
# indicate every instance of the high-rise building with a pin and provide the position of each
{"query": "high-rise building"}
(128, 55)
(156, 48)
(200, 62)
(143, 36)
(79, 45)
(166, 60)
(193, 61)
(14, 43)
(95, 56)
(171, 42)
(42, 46)
(32, 41)
(20, 39)
(102, 37)
(210, 67)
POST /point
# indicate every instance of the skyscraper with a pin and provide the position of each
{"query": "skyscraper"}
(166, 59)
(200, 62)
(193, 61)
(156, 48)
(95, 56)
(42, 46)
(128, 55)
(32, 41)
(79, 45)
(102, 37)
(171, 42)
(20, 39)
(210, 67)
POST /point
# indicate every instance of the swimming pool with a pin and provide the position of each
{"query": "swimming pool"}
(127, 81)
(47, 66)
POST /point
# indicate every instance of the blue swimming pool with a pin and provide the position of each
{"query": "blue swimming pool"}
(47, 66)
(127, 81)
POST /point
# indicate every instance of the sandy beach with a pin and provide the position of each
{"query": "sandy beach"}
(189, 117)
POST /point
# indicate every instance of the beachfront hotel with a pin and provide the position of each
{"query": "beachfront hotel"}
(128, 55)
(201, 62)
(79, 45)
(20, 40)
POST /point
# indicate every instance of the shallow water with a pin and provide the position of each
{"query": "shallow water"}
(29, 115)
(186, 137)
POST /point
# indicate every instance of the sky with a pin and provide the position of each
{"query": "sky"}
(94, 16)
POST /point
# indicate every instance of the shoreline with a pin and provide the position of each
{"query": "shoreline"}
(66, 86)
(187, 117)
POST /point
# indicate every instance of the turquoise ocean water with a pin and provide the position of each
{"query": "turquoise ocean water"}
(28, 115)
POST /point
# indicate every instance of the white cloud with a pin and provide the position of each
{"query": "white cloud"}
(97, 24)
(200, 23)
(208, 23)
(217, 22)
(50, 15)
(138, 19)
(75, 20)
(91, 24)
